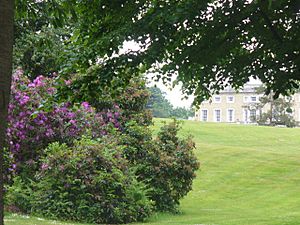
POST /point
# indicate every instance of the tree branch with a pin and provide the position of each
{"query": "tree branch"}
(271, 26)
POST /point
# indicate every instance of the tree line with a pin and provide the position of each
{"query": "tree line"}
(161, 107)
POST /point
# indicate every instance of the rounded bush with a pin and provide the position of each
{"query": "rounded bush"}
(88, 182)
(173, 167)
(167, 164)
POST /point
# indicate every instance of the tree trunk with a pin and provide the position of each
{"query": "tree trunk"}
(6, 47)
(271, 107)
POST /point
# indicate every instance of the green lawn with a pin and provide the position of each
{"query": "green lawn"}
(249, 175)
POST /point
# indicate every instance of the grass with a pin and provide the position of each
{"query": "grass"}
(249, 175)
(15, 219)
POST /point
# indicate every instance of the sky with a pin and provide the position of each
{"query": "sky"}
(174, 95)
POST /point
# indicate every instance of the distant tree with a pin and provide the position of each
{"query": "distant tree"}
(279, 112)
(162, 108)
(182, 113)
(158, 104)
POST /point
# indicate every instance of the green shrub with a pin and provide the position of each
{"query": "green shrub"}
(173, 167)
(17, 196)
(138, 143)
(89, 182)
(167, 164)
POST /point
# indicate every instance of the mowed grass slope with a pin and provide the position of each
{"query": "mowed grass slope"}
(249, 175)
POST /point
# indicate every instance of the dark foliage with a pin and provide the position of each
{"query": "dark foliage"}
(166, 164)
(209, 44)
(88, 182)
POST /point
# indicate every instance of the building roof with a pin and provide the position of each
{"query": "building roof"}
(248, 88)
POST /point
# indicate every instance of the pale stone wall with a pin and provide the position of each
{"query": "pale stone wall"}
(296, 106)
(239, 107)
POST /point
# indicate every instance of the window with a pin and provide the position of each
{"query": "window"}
(204, 115)
(253, 115)
(230, 99)
(217, 99)
(253, 98)
(245, 115)
(245, 98)
(289, 98)
(217, 115)
(230, 115)
(289, 111)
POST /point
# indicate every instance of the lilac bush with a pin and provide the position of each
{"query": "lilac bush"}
(35, 120)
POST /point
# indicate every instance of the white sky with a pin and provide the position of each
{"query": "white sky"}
(174, 95)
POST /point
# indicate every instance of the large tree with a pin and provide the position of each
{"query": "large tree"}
(6, 40)
(209, 44)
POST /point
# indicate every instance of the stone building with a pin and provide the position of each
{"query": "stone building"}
(240, 107)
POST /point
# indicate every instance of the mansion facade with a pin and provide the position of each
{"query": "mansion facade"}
(231, 106)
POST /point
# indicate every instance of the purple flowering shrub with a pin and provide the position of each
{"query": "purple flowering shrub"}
(35, 120)
(99, 179)
(131, 98)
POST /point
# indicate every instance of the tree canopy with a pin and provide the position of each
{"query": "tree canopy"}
(211, 44)
(208, 44)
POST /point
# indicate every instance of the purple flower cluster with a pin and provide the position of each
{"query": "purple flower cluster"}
(35, 120)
